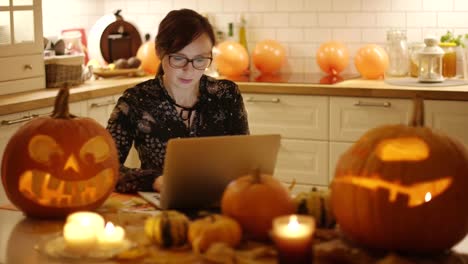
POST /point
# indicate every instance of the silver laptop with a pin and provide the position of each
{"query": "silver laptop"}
(197, 170)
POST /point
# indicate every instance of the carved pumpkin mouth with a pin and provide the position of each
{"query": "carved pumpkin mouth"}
(417, 194)
(44, 189)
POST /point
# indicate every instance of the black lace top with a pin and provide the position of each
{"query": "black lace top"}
(146, 116)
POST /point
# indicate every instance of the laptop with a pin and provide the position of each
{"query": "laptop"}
(197, 170)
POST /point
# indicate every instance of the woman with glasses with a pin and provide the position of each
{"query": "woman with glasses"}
(179, 102)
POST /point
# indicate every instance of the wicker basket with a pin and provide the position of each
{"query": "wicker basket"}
(61, 70)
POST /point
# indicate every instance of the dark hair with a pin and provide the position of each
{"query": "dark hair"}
(178, 29)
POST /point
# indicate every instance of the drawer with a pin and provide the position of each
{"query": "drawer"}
(450, 117)
(351, 117)
(22, 67)
(298, 117)
(303, 160)
(23, 85)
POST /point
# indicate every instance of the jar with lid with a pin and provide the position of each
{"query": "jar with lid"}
(449, 60)
(414, 49)
(430, 61)
(397, 49)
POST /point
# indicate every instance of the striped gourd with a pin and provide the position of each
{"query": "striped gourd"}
(317, 204)
(168, 229)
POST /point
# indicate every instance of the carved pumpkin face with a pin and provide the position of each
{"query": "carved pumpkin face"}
(54, 166)
(403, 188)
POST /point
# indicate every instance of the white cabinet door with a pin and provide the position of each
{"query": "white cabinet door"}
(100, 109)
(336, 150)
(303, 160)
(450, 117)
(292, 116)
(351, 117)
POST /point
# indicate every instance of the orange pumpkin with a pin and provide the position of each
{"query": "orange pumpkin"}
(56, 165)
(254, 200)
(213, 229)
(403, 188)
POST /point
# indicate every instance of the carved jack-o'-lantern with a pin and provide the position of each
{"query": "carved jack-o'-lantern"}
(55, 165)
(403, 188)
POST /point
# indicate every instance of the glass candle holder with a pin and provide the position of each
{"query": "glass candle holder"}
(430, 62)
(293, 237)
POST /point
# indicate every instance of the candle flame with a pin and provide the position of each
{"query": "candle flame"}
(428, 197)
(293, 223)
(109, 228)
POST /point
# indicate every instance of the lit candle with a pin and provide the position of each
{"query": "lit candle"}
(79, 231)
(293, 235)
(111, 237)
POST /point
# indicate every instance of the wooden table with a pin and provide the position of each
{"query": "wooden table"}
(21, 236)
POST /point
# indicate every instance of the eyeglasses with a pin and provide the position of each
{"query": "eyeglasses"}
(199, 63)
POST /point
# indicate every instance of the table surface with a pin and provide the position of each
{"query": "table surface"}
(20, 237)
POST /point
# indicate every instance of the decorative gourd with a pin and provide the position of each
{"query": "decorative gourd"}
(168, 229)
(55, 165)
(403, 188)
(214, 229)
(317, 204)
(254, 200)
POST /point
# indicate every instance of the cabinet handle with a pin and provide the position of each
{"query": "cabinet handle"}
(22, 119)
(384, 104)
(28, 67)
(274, 100)
(110, 102)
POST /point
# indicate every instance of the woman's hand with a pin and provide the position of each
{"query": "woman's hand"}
(158, 183)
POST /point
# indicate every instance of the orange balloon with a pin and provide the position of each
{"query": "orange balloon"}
(332, 57)
(371, 61)
(268, 56)
(232, 58)
(147, 55)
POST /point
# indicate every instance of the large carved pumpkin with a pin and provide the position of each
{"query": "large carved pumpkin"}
(56, 165)
(403, 188)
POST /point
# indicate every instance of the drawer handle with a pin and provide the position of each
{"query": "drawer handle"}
(110, 102)
(272, 100)
(22, 119)
(384, 104)
(28, 67)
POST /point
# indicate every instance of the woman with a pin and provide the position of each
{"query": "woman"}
(179, 102)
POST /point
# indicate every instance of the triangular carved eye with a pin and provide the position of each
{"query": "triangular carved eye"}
(97, 147)
(42, 147)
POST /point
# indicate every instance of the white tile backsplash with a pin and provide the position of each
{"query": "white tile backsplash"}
(300, 25)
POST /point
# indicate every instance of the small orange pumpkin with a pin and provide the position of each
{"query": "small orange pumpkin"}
(254, 200)
(403, 188)
(212, 229)
(59, 164)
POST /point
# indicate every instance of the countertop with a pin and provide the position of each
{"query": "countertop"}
(358, 87)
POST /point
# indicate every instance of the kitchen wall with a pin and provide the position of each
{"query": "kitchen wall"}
(300, 25)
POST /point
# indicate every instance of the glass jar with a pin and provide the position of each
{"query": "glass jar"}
(414, 49)
(449, 60)
(397, 49)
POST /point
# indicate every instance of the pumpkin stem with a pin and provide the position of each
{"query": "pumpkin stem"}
(61, 104)
(418, 112)
(256, 175)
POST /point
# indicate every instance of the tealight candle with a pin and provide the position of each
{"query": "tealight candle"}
(293, 235)
(79, 231)
(111, 237)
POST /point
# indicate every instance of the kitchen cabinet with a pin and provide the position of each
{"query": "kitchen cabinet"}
(316, 130)
(302, 122)
(21, 46)
(100, 108)
(9, 124)
(450, 117)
